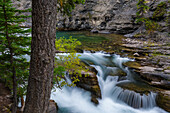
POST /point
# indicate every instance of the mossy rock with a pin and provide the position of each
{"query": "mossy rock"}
(94, 99)
(116, 72)
(132, 64)
(137, 87)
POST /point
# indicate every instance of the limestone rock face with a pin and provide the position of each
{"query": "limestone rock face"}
(104, 16)
(115, 16)
(22, 5)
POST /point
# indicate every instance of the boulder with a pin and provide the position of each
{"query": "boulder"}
(136, 54)
(89, 82)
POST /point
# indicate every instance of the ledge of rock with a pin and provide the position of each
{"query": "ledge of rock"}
(163, 100)
(138, 88)
(89, 82)
(154, 76)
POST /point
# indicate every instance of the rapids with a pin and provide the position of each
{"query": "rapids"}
(114, 98)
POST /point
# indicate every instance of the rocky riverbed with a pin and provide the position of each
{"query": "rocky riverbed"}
(152, 63)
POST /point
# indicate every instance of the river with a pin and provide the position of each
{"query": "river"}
(114, 99)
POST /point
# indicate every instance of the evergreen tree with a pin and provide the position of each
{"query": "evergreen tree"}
(14, 45)
(66, 6)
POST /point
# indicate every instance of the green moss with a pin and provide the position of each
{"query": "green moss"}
(138, 35)
(167, 68)
(132, 64)
(137, 87)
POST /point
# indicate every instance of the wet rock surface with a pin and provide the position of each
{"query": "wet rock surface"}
(89, 82)
(138, 88)
(153, 67)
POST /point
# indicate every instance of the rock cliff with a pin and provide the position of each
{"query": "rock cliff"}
(114, 16)
(110, 16)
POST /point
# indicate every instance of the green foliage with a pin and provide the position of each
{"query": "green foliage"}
(14, 45)
(168, 21)
(67, 45)
(160, 11)
(69, 63)
(142, 8)
(150, 25)
(66, 6)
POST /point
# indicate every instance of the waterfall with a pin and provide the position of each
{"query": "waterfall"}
(134, 99)
(114, 98)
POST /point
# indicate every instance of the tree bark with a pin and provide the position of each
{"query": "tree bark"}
(42, 55)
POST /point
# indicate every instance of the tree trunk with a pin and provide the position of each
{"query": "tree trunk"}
(14, 107)
(42, 55)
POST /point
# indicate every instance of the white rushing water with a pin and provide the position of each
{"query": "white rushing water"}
(114, 99)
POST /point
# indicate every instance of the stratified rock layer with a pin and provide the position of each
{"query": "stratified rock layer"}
(103, 16)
